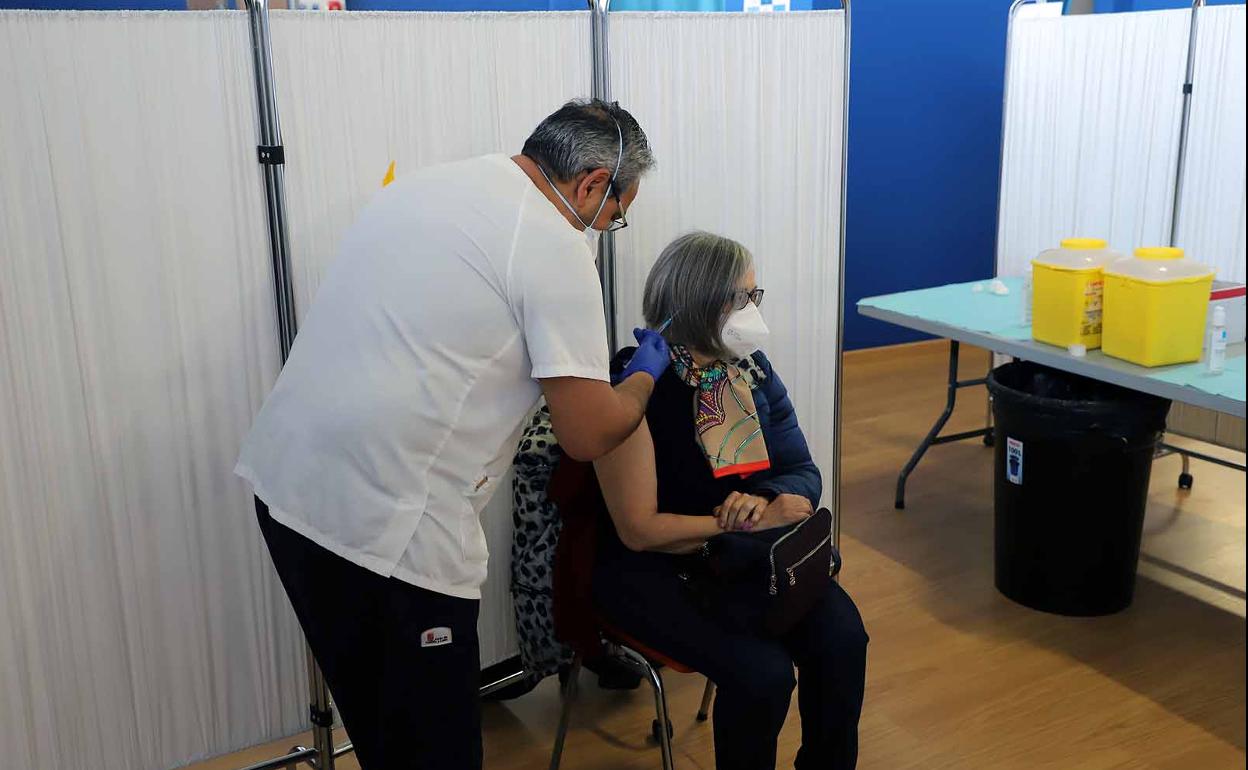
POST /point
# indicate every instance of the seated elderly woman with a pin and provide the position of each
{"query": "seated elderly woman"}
(666, 498)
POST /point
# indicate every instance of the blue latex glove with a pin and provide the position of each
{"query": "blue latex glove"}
(652, 356)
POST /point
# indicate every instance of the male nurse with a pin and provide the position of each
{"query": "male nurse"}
(460, 295)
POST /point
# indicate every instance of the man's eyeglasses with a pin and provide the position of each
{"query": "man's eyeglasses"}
(618, 222)
(741, 298)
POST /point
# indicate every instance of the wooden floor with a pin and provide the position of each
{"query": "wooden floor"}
(959, 677)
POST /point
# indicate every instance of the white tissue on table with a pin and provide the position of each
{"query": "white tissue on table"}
(998, 287)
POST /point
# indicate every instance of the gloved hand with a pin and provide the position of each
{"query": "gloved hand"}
(652, 356)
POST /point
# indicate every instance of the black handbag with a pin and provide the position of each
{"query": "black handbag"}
(766, 582)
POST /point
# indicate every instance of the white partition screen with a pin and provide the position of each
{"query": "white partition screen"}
(1212, 211)
(141, 625)
(1093, 107)
(358, 91)
(744, 114)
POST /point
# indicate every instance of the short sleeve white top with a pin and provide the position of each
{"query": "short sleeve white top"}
(403, 397)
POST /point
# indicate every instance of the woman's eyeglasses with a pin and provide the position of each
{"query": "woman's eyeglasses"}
(741, 298)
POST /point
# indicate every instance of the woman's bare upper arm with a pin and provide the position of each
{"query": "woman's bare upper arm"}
(627, 477)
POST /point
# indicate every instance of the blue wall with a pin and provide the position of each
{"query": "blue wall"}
(1111, 6)
(924, 150)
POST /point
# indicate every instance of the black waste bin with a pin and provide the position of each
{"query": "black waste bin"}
(1073, 458)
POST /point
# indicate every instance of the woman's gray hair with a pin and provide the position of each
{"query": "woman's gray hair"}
(692, 283)
(582, 135)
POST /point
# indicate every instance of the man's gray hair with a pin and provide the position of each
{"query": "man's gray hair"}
(582, 136)
(692, 283)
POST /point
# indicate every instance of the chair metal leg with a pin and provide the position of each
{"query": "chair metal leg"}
(569, 697)
(660, 704)
(707, 696)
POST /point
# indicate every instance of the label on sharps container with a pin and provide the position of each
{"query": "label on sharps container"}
(1014, 461)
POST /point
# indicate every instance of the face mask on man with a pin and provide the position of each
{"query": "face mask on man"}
(591, 232)
(744, 331)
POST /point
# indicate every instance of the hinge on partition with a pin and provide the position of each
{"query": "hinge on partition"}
(272, 154)
(321, 718)
(1187, 88)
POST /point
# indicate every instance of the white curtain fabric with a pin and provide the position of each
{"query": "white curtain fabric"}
(1212, 211)
(1041, 8)
(358, 91)
(744, 113)
(1093, 106)
(141, 625)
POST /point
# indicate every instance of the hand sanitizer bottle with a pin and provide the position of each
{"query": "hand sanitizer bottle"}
(1215, 361)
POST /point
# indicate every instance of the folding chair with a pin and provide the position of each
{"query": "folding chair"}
(574, 489)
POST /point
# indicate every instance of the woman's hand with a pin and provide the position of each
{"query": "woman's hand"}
(740, 511)
(784, 510)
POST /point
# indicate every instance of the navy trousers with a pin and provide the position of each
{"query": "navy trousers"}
(408, 698)
(641, 594)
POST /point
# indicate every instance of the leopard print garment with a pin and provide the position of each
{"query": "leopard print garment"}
(537, 526)
(752, 370)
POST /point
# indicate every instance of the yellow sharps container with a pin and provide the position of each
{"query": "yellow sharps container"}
(1067, 288)
(1155, 307)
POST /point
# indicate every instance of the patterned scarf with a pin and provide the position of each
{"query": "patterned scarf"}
(724, 417)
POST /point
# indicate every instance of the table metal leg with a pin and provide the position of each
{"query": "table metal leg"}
(1187, 455)
(933, 436)
(988, 437)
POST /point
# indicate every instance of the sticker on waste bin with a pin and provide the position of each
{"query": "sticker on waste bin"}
(1014, 461)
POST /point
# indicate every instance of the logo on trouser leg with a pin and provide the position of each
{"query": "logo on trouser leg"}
(435, 637)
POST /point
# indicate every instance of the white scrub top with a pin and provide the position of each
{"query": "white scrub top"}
(402, 400)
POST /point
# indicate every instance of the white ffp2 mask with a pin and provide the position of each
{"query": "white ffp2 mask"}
(744, 331)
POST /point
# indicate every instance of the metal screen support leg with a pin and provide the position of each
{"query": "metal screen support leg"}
(322, 714)
(600, 60)
(271, 155)
(1181, 161)
(933, 436)
(839, 379)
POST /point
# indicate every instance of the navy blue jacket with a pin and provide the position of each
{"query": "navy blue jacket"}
(685, 482)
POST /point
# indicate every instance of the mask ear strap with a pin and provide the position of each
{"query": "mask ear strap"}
(561, 197)
(619, 157)
(606, 191)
